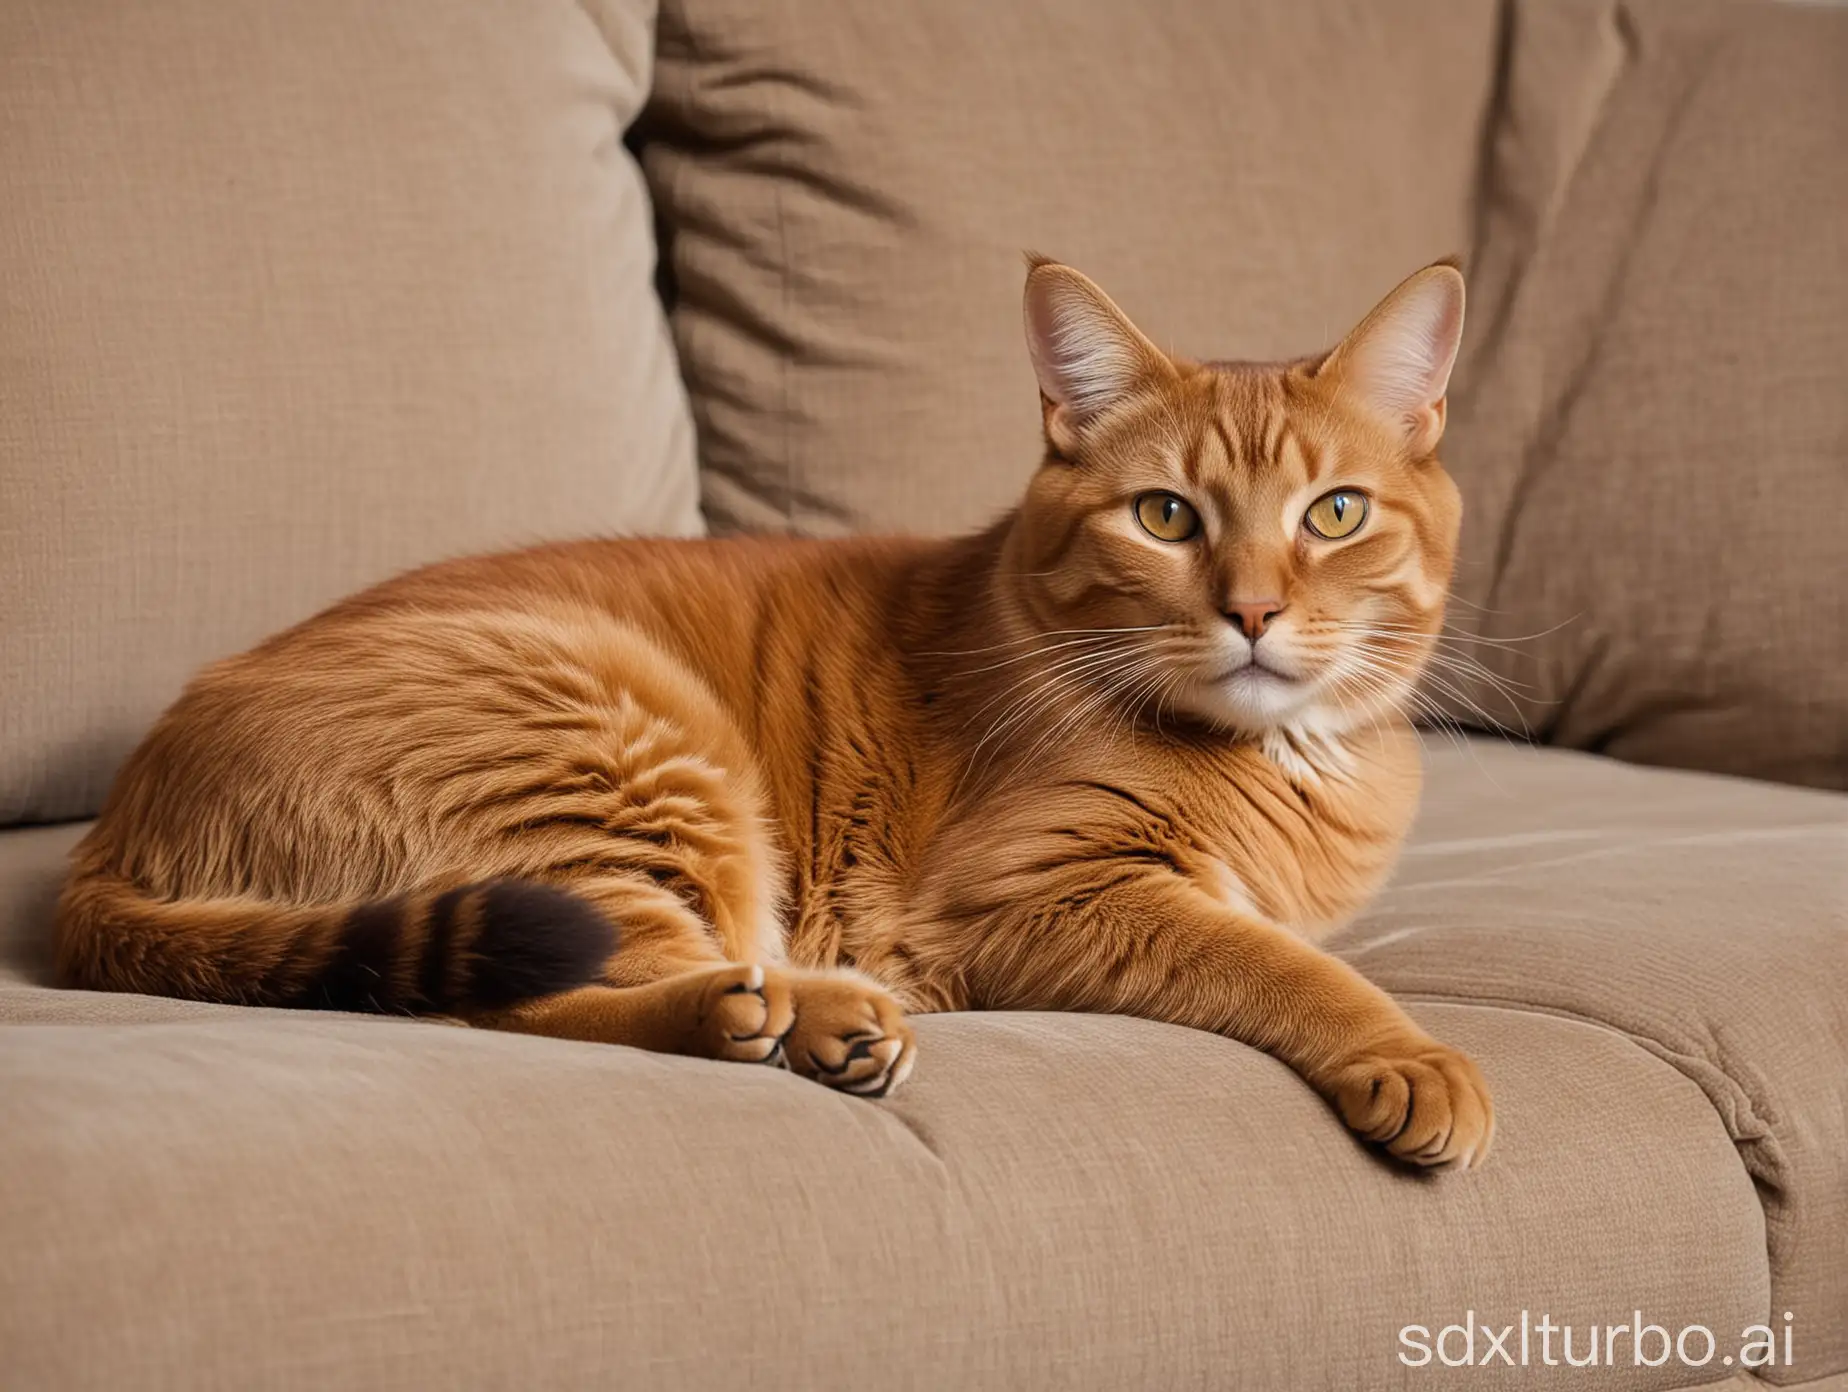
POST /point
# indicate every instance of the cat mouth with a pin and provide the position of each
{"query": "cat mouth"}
(1254, 695)
(1257, 672)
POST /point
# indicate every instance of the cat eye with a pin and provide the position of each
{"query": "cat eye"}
(1336, 515)
(1166, 517)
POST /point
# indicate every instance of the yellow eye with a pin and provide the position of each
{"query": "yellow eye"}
(1336, 515)
(1166, 517)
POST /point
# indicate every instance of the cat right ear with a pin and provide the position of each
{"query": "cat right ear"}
(1397, 363)
(1086, 353)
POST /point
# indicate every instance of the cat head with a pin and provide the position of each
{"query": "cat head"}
(1253, 545)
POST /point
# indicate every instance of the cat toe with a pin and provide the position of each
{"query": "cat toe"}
(850, 1035)
(748, 1015)
(1422, 1102)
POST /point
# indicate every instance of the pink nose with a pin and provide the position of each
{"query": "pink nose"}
(1251, 617)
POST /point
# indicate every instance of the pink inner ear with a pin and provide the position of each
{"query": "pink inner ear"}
(1085, 354)
(1042, 346)
(1399, 360)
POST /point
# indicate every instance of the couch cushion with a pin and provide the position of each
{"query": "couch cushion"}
(1704, 919)
(293, 296)
(1651, 423)
(850, 188)
(1649, 965)
(1053, 1203)
(32, 863)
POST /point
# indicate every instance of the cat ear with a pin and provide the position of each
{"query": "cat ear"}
(1087, 355)
(1397, 363)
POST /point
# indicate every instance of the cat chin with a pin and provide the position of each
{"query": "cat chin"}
(1253, 702)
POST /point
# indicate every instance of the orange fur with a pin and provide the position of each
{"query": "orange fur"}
(810, 785)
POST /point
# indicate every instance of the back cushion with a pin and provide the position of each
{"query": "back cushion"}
(293, 296)
(1651, 423)
(851, 186)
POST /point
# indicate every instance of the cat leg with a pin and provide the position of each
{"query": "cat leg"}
(836, 1028)
(671, 987)
(1154, 945)
(736, 1012)
(839, 1028)
(668, 986)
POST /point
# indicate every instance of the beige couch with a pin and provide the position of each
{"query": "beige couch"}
(294, 295)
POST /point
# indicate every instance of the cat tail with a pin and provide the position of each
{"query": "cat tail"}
(482, 946)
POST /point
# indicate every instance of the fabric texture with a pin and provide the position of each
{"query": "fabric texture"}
(1651, 421)
(255, 352)
(850, 188)
(1649, 966)
(1705, 919)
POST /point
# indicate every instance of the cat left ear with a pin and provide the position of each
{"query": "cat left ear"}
(1397, 363)
(1086, 353)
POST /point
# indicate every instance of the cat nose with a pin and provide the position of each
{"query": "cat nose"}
(1252, 616)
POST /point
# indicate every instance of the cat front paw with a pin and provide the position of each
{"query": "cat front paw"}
(1421, 1101)
(744, 1015)
(849, 1034)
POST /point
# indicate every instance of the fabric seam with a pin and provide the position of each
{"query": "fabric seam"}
(1647, 1044)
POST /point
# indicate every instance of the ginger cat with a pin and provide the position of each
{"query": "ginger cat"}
(1131, 749)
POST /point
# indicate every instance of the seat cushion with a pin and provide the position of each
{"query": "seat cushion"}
(1704, 919)
(1052, 1201)
(1651, 419)
(850, 189)
(293, 296)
